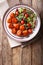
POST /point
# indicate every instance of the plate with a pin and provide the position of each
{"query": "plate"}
(17, 38)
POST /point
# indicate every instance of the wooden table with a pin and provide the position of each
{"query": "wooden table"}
(32, 54)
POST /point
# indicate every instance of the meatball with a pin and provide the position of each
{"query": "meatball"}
(14, 20)
(16, 26)
(25, 33)
(29, 31)
(12, 15)
(10, 26)
(19, 32)
(14, 31)
(22, 27)
(9, 20)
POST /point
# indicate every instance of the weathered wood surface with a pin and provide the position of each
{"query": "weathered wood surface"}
(0, 43)
(16, 53)
(28, 2)
(13, 2)
(29, 55)
(38, 5)
(36, 53)
(36, 48)
(26, 55)
(6, 51)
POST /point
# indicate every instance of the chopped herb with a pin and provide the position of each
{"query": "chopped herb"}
(20, 10)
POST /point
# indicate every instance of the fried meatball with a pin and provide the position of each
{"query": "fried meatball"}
(22, 27)
(25, 33)
(19, 32)
(9, 20)
(16, 26)
(14, 31)
(14, 20)
(10, 26)
(12, 15)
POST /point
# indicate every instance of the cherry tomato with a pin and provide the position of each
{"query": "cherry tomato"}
(12, 15)
(9, 20)
(22, 22)
(29, 25)
(19, 32)
(25, 33)
(16, 26)
(17, 13)
(16, 9)
(14, 31)
(26, 15)
(11, 26)
(29, 31)
(14, 20)
(22, 27)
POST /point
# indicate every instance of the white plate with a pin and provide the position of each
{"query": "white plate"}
(14, 37)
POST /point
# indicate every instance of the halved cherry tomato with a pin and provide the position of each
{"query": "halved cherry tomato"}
(12, 15)
(29, 31)
(22, 21)
(25, 33)
(16, 26)
(9, 20)
(14, 31)
(26, 15)
(14, 20)
(19, 32)
(10, 26)
(22, 27)
(28, 24)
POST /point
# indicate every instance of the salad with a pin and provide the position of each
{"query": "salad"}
(22, 22)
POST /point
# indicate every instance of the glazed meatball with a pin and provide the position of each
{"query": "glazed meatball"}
(9, 20)
(25, 33)
(19, 32)
(14, 20)
(10, 26)
(16, 26)
(12, 15)
(14, 31)
(22, 27)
